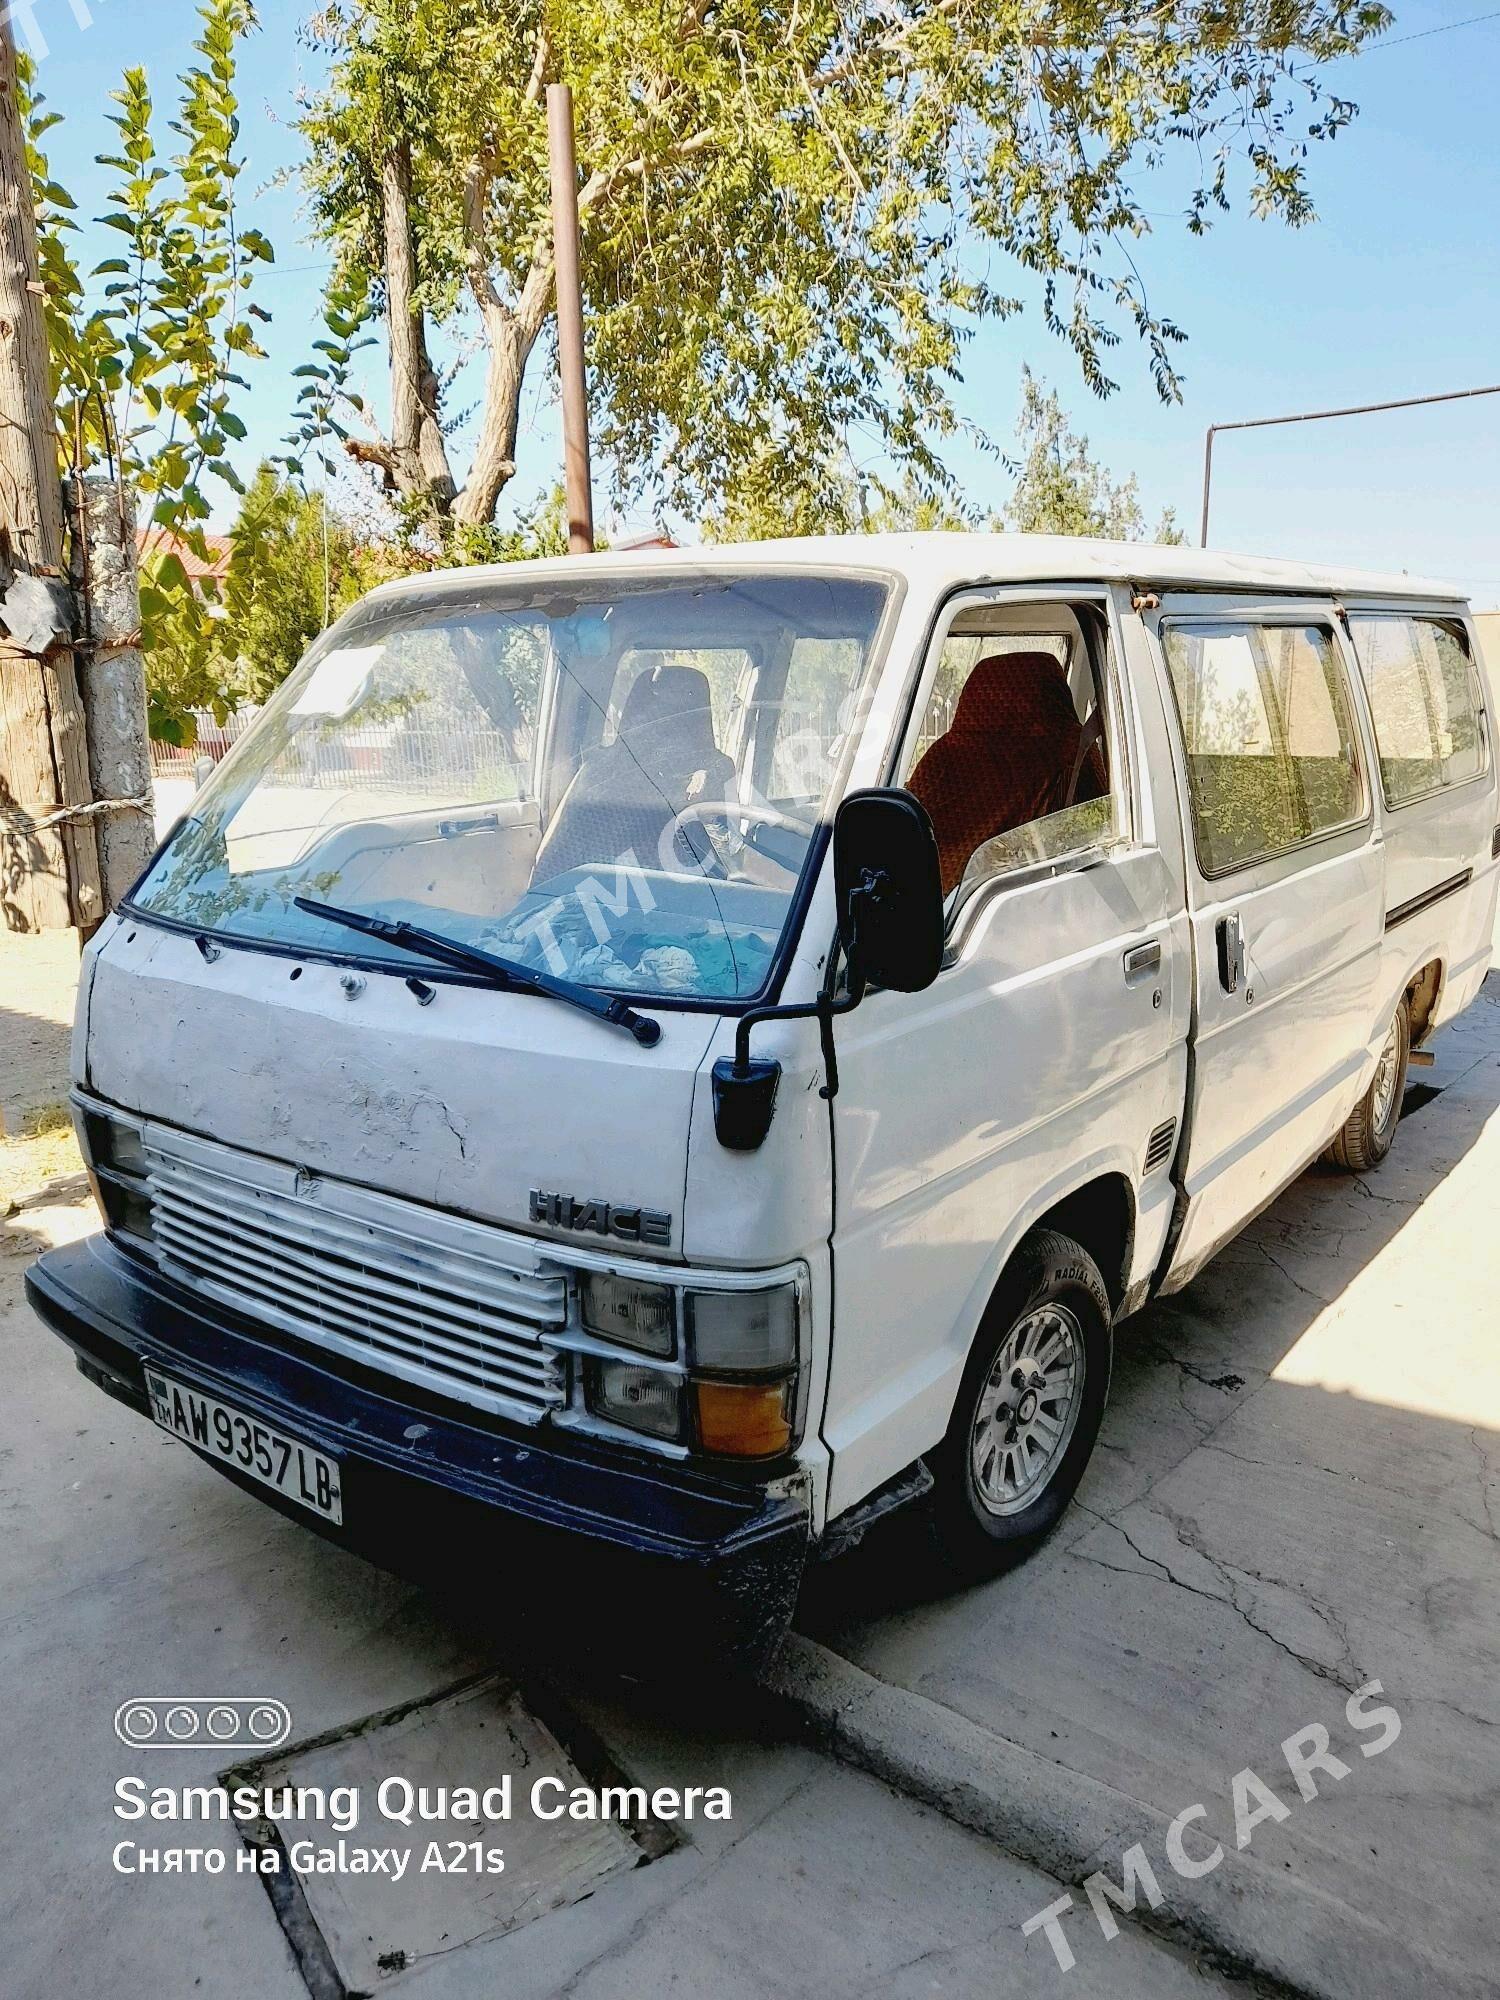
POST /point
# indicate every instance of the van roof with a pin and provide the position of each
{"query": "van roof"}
(946, 559)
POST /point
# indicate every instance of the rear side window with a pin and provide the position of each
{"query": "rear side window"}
(1269, 737)
(1425, 702)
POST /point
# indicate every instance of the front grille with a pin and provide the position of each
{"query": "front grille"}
(454, 1306)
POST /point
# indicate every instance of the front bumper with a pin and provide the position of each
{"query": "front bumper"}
(436, 1496)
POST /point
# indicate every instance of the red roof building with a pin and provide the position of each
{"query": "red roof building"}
(157, 542)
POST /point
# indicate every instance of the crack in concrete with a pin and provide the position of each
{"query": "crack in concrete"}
(1227, 1381)
(617, 1946)
(1362, 1187)
(1485, 1474)
(1277, 1265)
(1189, 1537)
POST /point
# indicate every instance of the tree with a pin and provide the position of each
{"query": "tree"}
(298, 560)
(1061, 490)
(783, 210)
(148, 369)
(844, 501)
(291, 558)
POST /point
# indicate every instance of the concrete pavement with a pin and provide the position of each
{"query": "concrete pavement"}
(1297, 1493)
(128, 1567)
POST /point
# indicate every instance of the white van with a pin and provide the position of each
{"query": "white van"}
(690, 1050)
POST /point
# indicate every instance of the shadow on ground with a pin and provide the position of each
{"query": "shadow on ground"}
(1184, 1364)
(1296, 1492)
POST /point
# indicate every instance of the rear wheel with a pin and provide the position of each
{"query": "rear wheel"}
(1028, 1410)
(1370, 1127)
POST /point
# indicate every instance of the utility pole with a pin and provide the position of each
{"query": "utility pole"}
(112, 679)
(565, 259)
(49, 857)
(1317, 417)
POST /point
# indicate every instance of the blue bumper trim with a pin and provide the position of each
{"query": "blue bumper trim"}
(116, 1314)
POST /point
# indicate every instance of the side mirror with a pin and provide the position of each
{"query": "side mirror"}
(889, 890)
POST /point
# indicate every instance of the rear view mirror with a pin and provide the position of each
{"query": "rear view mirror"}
(890, 896)
(889, 890)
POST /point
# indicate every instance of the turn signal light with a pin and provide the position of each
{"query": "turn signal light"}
(744, 1419)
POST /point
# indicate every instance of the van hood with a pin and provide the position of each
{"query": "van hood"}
(473, 1102)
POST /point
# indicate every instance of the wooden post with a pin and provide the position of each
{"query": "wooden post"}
(49, 876)
(565, 257)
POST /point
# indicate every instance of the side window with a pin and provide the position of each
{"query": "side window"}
(1011, 758)
(1425, 703)
(1269, 737)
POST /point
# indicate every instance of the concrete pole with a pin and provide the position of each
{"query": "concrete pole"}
(113, 678)
(566, 259)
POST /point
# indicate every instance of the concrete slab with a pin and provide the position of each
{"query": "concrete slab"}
(446, 1879)
(128, 1567)
(1296, 1495)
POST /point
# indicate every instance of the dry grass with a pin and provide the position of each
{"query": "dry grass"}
(44, 1151)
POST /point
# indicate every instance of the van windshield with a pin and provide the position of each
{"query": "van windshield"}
(614, 780)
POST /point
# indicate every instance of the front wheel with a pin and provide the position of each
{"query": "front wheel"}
(1028, 1410)
(1366, 1135)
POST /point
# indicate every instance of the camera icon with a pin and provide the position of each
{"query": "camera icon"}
(202, 1722)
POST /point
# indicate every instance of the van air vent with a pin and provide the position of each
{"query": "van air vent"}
(1159, 1145)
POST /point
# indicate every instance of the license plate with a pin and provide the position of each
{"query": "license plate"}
(309, 1477)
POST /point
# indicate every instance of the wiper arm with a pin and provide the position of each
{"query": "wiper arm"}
(501, 972)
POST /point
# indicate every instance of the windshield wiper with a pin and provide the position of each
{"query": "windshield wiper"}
(503, 973)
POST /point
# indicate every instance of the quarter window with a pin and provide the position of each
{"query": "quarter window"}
(1269, 737)
(1425, 703)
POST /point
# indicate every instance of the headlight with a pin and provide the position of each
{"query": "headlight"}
(116, 1158)
(642, 1399)
(736, 1390)
(632, 1313)
(110, 1142)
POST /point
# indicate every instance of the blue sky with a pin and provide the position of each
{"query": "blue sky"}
(1394, 291)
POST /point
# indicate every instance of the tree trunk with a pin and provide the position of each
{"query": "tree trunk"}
(49, 876)
(494, 462)
(114, 679)
(420, 456)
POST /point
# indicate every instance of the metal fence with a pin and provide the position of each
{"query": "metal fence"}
(445, 759)
(430, 759)
(214, 740)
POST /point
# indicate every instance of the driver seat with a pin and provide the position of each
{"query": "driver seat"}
(626, 794)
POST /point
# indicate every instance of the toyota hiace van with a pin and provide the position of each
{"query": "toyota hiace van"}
(690, 1050)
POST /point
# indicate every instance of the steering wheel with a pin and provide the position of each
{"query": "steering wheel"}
(729, 813)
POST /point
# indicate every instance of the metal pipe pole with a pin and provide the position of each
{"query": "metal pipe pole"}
(1320, 416)
(565, 256)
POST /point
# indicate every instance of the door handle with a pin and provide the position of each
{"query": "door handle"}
(1143, 958)
(1231, 942)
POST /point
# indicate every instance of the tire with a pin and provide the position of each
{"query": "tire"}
(984, 1513)
(1367, 1132)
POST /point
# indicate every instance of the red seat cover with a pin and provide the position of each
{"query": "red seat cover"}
(1008, 757)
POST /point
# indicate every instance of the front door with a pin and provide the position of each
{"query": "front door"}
(1052, 1045)
(1285, 894)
